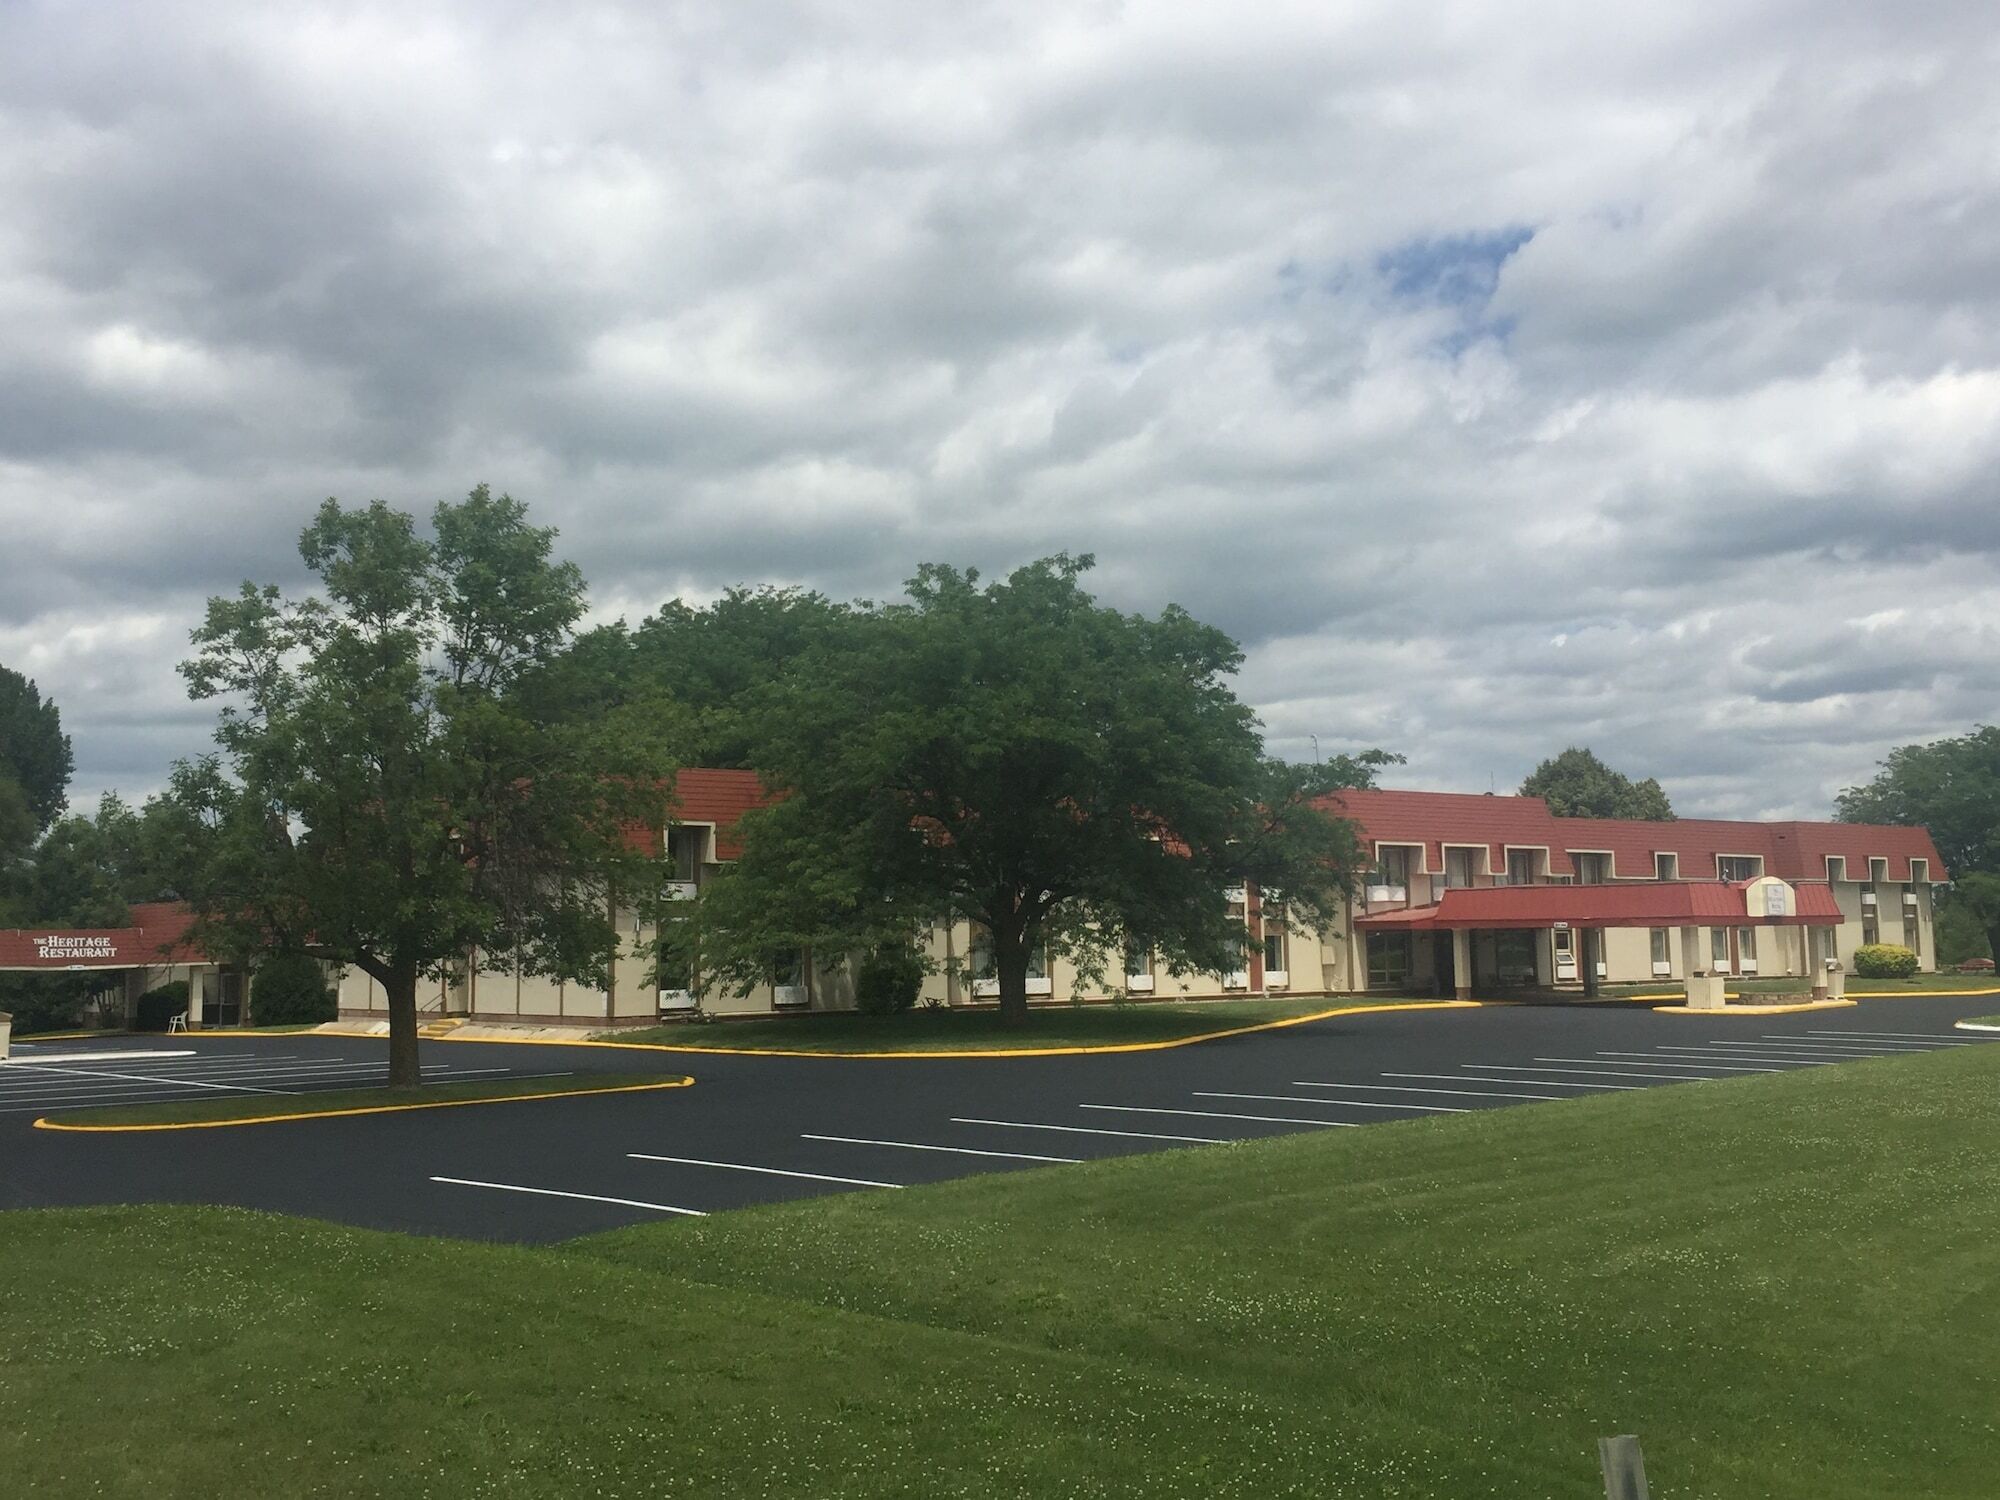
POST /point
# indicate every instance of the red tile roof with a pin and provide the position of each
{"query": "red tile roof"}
(721, 798)
(1793, 851)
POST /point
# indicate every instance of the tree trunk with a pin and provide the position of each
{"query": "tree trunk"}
(1010, 964)
(401, 988)
(1993, 942)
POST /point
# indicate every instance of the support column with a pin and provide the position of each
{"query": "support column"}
(1461, 963)
(1590, 949)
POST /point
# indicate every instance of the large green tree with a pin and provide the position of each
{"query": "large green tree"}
(392, 789)
(1951, 787)
(1576, 784)
(1058, 772)
(716, 661)
(34, 752)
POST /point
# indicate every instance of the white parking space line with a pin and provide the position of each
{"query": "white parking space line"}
(1631, 1072)
(1858, 1041)
(739, 1166)
(1897, 1036)
(1533, 1083)
(113, 1083)
(1835, 1050)
(515, 1187)
(11, 1087)
(855, 1140)
(1216, 1114)
(1432, 1109)
(227, 1088)
(79, 1057)
(1392, 1088)
(1749, 1051)
(1741, 1066)
(1137, 1135)
(1734, 1065)
(147, 1093)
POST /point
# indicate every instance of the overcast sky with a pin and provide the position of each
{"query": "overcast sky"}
(1503, 377)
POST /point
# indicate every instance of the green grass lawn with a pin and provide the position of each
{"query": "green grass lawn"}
(1787, 1286)
(1986, 1020)
(264, 1106)
(926, 1030)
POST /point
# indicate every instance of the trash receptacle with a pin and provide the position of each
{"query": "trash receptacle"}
(6, 1033)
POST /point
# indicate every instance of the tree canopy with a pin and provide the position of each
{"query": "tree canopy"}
(1576, 784)
(1951, 787)
(1062, 774)
(391, 790)
(35, 754)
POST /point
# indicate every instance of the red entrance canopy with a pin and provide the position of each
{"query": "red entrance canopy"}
(1668, 903)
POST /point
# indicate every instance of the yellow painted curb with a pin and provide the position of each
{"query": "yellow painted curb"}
(1108, 1047)
(371, 1109)
(1753, 1010)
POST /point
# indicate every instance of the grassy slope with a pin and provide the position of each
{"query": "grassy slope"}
(927, 1030)
(317, 1101)
(1785, 1285)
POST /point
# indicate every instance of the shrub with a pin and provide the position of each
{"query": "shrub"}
(160, 1005)
(889, 980)
(290, 989)
(1884, 961)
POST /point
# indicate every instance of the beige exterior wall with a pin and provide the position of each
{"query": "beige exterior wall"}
(1333, 962)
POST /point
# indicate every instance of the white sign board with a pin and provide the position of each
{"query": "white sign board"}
(1774, 898)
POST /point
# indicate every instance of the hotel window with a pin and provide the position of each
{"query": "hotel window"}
(1736, 867)
(1746, 949)
(1910, 933)
(1871, 927)
(1520, 867)
(788, 978)
(1593, 869)
(1275, 970)
(1138, 967)
(1666, 867)
(1718, 949)
(685, 847)
(1663, 962)
(1388, 960)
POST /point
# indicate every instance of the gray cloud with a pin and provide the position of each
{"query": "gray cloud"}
(1502, 381)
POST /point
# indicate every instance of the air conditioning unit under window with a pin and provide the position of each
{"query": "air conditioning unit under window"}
(1867, 898)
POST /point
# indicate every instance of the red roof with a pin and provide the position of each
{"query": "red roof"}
(721, 798)
(1652, 903)
(158, 935)
(1793, 851)
(704, 795)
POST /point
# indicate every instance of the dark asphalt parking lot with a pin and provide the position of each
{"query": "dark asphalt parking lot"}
(758, 1129)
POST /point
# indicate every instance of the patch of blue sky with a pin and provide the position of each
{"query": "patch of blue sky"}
(1457, 270)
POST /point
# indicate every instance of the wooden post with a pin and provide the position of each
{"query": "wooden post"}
(1624, 1468)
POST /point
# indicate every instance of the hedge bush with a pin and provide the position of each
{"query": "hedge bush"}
(290, 989)
(160, 1005)
(1884, 961)
(889, 980)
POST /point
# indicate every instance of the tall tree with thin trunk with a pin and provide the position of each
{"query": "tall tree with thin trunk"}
(1065, 775)
(391, 791)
